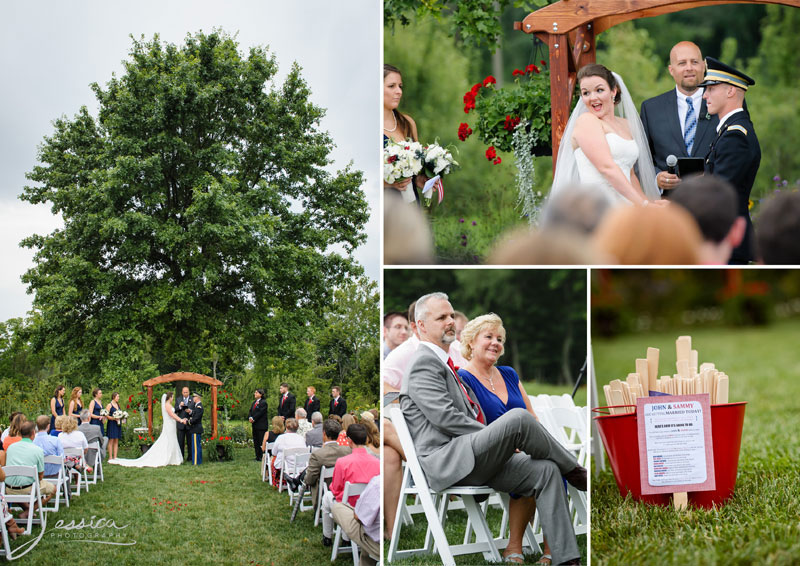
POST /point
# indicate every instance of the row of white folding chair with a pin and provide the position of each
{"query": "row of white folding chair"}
(323, 485)
(266, 463)
(350, 489)
(97, 468)
(82, 477)
(32, 499)
(61, 482)
(300, 458)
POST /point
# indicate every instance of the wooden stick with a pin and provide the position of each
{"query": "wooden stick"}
(643, 370)
(680, 500)
(693, 359)
(652, 368)
(683, 346)
(722, 390)
(609, 399)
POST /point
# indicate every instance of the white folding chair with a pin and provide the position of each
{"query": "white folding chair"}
(324, 482)
(295, 452)
(61, 481)
(350, 489)
(97, 468)
(570, 431)
(82, 477)
(266, 464)
(415, 483)
(300, 463)
(33, 499)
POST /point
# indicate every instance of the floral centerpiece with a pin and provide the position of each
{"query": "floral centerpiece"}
(500, 110)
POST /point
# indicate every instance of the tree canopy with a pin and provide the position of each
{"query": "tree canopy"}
(199, 214)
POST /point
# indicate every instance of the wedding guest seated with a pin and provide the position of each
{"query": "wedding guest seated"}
(373, 444)
(11, 525)
(366, 416)
(303, 426)
(71, 437)
(577, 209)
(347, 421)
(8, 428)
(290, 439)
(14, 431)
(93, 434)
(362, 523)
(359, 467)
(633, 235)
(778, 230)
(278, 428)
(26, 453)
(314, 436)
(526, 246)
(712, 203)
(50, 445)
(393, 458)
(337, 418)
(325, 456)
(56, 427)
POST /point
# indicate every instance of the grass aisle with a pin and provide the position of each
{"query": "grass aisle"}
(760, 523)
(232, 518)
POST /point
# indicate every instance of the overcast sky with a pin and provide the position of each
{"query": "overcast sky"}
(51, 51)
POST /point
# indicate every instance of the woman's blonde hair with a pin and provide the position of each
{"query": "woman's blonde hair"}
(475, 326)
(69, 425)
(347, 420)
(15, 428)
(277, 425)
(60, 422)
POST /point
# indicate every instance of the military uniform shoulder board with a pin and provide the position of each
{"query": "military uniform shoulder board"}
(738, 128)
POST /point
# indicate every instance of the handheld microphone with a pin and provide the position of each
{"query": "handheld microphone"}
(672, 161)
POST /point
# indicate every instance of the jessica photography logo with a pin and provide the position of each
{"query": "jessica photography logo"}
(97, 530)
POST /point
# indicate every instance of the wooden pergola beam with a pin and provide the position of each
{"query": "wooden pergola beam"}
(183, 376)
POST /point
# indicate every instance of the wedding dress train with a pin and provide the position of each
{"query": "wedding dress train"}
(165, 451)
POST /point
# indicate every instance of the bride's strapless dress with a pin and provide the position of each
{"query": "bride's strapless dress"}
(165, 451)
(624, 152)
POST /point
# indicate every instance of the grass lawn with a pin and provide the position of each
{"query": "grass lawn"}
(175, 519)
(759, 525)
(414, 536)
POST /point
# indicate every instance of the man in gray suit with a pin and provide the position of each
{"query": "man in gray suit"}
(677, 122)
(513, 454)
(92, 433)
(314, 436)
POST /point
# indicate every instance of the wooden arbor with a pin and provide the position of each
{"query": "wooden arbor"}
(569, 28)
(183, 376)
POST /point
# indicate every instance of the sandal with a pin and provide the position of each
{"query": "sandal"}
(514, 558)
(544, 560)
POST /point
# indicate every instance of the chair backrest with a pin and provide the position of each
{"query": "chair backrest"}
(399, 422)
(24, 471)
(290, 455)
(352, 490)
(564, 400)
(270, 446)
(301, 462)
(59, 460)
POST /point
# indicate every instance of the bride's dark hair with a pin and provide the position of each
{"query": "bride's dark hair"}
(598, 70)
(169, 396)
(402, 121)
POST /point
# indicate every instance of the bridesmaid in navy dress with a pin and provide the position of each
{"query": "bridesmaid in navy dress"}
(398, 126)
(57, 405)
(95, 406)
(75, 404)
(114, 431)
(498, 389)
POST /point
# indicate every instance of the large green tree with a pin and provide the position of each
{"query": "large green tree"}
(199, 214)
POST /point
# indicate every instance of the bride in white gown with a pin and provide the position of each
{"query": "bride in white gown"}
(165, 451)
(600, 149)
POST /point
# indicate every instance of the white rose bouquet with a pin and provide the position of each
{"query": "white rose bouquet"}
(402, 160)
(437, 162)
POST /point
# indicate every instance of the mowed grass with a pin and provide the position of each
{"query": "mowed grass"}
(759, 525)
(414, 536)
(175, 519)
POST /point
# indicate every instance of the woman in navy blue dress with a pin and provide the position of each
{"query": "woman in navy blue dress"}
(75, 405)
(398, 127)
(95, 406)
(57, 405)
(498, 389)
(114, 430)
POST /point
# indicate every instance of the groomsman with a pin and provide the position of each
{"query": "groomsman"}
(677, 122)
(195, 425)
(286, 402)
(338, 405)
(312, 404)
(736, 154)
(258, 418)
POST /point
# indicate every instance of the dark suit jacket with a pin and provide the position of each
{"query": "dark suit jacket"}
(287, 410)
(311, 406)
(196, 420)
(340, 408)
(663, 129)
(735, 157)
(325, 456)
(181, 412)
(259, 415)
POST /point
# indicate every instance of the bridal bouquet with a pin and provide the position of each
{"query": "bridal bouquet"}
(122, 416)
(437, 162)
(103, 413)
(402, 160)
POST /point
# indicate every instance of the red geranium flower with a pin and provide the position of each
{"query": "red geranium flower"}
(464, 131)
(517, 72)
(475, 88)
(491, 153)
(490, 80)
(543, 62)
(497, 161)
(511, 123)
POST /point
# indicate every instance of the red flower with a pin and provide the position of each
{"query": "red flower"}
(532, 69)
(517, 72)
(128, 406)
(130, 398)
(497, 161)
(491, 153)
(392, 159)
(464, 131)
(475, 88)
(511, 123)
(544, 64)
(490, 80)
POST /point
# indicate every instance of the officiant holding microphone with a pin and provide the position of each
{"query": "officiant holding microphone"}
(677, 123)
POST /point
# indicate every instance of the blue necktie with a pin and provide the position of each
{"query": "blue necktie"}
(690, 125)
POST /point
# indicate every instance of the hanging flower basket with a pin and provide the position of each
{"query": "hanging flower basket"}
(499, 110)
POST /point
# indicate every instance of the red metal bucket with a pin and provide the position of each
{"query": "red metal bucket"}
(620, 438)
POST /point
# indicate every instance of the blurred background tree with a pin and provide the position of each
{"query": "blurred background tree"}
(543, 312)
(443, 52)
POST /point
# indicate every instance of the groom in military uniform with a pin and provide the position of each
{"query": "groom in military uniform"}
(735, 155)
(194, 425)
